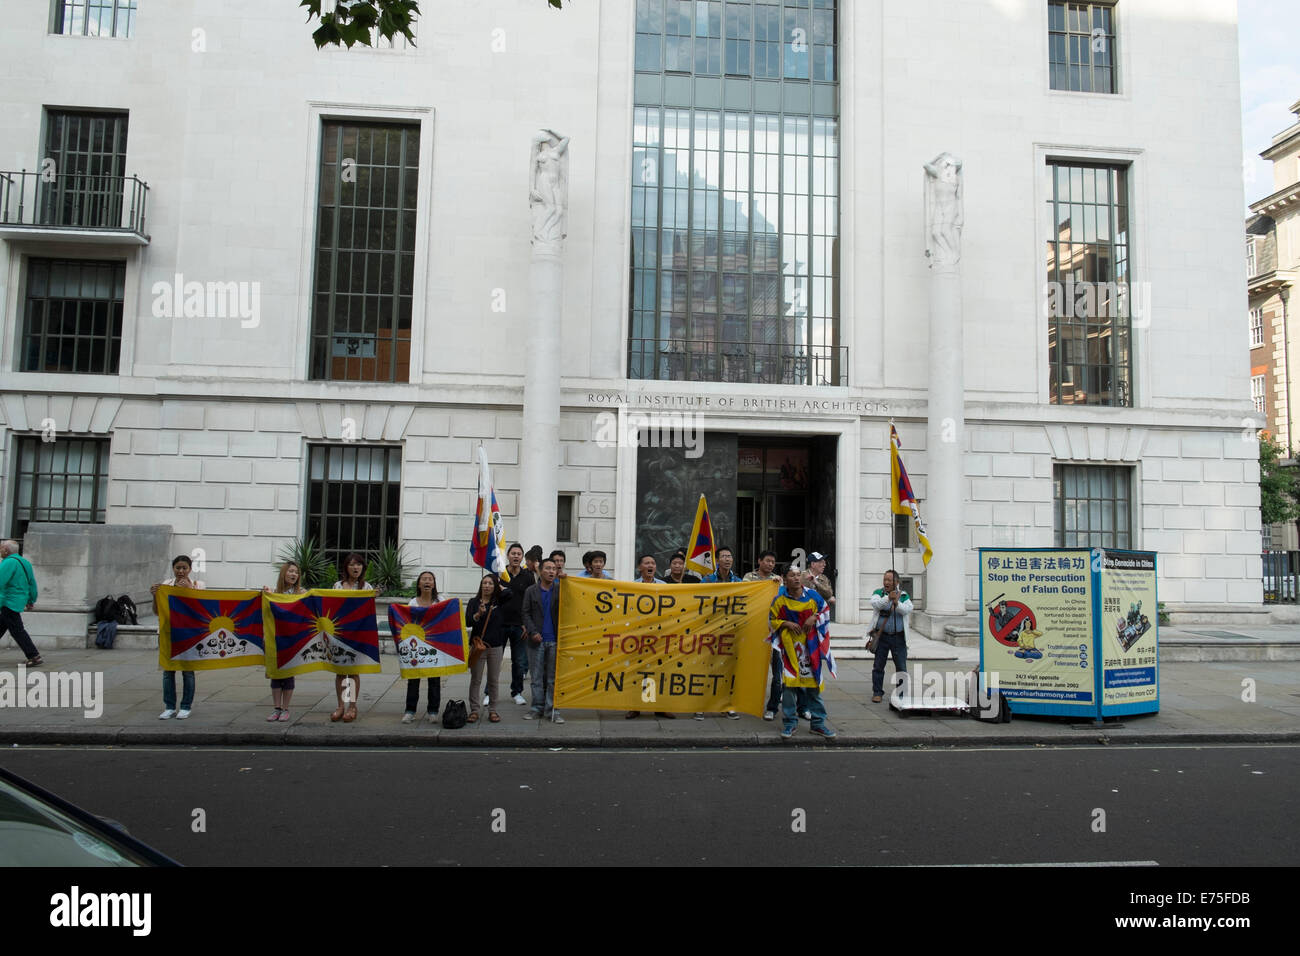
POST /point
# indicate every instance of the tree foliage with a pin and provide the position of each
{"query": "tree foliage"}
(1279, 486)
(348, 22)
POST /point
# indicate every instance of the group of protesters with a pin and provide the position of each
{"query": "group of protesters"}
(519, 609)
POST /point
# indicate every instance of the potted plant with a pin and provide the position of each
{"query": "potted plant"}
(318, 570)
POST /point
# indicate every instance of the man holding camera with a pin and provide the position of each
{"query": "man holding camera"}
(889, 630)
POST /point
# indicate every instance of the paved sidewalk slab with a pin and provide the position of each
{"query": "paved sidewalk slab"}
(1250, 701)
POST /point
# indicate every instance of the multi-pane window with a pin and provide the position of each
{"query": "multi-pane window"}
(1092, 506)
(1256, 327)
(95, 18)
(1257, 392)
(1081, 46)
(565, 527)
(902, 532)
(365, 252)
(735, 215)
(83, 176)
(354, 497)
(761, 38)
(61, 480)
(1088, 280)
(73, 316)
(1251, 263)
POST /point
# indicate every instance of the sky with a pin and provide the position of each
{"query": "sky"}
(1270, 82)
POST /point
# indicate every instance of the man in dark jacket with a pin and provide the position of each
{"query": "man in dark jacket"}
(517, 580)
(541, 619)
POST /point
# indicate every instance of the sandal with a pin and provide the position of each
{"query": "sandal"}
(494, 717)
(338, 714)
(472, 718)
(351, 715)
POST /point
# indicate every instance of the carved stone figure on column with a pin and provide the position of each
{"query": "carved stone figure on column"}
(548, 189)
(943, 210)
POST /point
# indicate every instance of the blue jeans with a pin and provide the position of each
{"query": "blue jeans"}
(795, 700)
(541, 664)
(169, 689)
(895, 644)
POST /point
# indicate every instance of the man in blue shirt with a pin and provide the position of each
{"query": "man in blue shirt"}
(724, 574)
(541, 618)
(17, 594)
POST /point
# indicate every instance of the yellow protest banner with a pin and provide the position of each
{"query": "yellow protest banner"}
(677, 648)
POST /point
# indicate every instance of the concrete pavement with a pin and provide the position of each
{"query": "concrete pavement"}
(1238, 701)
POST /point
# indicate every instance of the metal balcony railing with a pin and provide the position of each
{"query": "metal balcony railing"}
(685, 360)
(73, 201)
(1281, 570)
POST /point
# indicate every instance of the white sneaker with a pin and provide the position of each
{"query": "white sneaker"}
(732, 715)
(182, 714)
(167, 714)
(557, 719)
(769, 715)
(408, 717)
(519, 699)
(699, 716)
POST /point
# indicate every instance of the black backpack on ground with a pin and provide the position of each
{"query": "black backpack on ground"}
(105, 609)
(125, 609)
(454, 715)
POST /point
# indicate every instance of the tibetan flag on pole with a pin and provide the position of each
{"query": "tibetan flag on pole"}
(902, 500)
(431, 641)
(699, 554)
(202, 630)
(487, 544)
(323, 630)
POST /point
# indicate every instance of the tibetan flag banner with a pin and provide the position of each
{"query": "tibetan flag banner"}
(683, 649)
(801, 629)
(487, 543)
(322, 630)
(431, 641)
(201, 630)
(902, 500)
(699, 553)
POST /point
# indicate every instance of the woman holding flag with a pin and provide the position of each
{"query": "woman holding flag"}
(426, 595)
(354, 571)
(288, 582)
(181, 579)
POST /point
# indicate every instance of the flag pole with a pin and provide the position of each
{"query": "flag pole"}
(891, 494)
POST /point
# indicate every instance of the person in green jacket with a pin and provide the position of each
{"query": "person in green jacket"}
(17, 594)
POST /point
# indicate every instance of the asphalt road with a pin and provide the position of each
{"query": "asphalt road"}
(1199, 806)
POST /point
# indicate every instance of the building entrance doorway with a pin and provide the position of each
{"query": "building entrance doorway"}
(785, 498)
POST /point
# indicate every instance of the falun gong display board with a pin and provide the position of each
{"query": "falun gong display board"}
(1071, 631)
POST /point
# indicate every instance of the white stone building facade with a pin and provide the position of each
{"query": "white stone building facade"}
(207, 423)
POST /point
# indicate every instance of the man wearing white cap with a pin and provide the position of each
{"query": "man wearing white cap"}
(815, 577)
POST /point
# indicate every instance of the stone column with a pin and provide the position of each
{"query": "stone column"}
(548, 190)
(945, 593)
